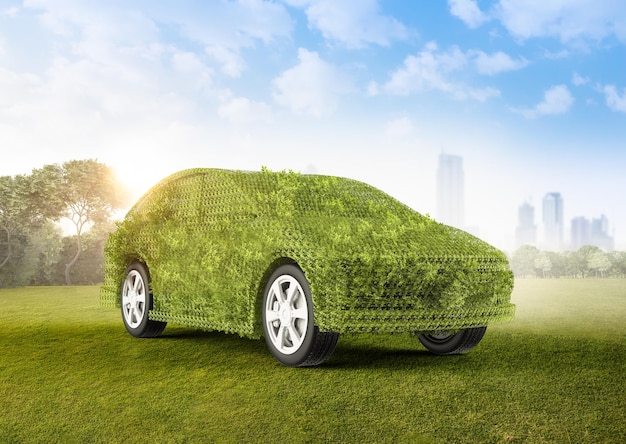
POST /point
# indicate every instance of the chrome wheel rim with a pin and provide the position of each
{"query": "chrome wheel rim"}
(134, 299)
(286, 314)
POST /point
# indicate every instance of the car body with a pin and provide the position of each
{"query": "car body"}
(299, 258)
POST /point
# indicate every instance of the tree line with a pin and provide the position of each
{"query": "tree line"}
(33, 248)
(587, 262)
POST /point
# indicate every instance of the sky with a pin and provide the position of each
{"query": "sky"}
(531, 93)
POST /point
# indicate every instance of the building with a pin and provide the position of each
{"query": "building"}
(594, 232)
(526, 232)
(580, 232)
(600, 236)
(553, 221)
(451, 191)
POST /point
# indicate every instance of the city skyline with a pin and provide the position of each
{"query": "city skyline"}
(555, 236)
(583, 231)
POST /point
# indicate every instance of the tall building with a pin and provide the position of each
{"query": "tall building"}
(594, 232)
(526, 232)
(553, 221)
(580, 232)
(451, 191)
(600, 236)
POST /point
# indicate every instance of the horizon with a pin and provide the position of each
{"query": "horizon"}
(530, 94)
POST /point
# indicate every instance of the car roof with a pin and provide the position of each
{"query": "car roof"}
(274, 193)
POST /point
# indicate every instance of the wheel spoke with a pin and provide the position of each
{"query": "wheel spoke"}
(281, 337)
(272, 315)
(136, 284)
(294, 335)
(299, 313)
(277, 291)
(291, 292)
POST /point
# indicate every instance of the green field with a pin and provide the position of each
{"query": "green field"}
(69, 372)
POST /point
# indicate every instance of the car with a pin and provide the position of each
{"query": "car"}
(299, 259)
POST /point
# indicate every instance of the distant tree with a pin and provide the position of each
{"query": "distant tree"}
(9, 214)
(599, 262)
(558, 262)
(581, 259)
(618, 263)
(523, 260)
(84, 191)
(543, 263)
(89, 270)
(43, 251)
(17, 211)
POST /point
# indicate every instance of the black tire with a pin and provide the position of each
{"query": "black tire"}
(289, 323)
(443, 343)
(136, 302)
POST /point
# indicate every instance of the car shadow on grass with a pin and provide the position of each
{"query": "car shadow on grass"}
(358, 356)
(350, 353)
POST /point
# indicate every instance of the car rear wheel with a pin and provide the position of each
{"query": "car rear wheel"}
(452, 343)
(288, 321)
(136, 302)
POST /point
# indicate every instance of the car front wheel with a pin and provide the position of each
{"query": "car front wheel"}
(288, 321)
(452, 343)
(136, 302)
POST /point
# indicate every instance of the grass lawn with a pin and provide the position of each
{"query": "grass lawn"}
(69, 372)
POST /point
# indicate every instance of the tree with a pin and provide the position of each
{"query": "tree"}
(581, 257)
(16, 211)
(618, 263)
(599, 262)
(83, 191)
(523, 260)
(542, 263)
(43, 253)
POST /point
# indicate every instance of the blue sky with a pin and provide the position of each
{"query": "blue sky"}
(531, 94)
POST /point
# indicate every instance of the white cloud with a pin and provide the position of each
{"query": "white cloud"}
(571, 21)
(231, 62)
(578, 80)
(468, 11)
(353, 23)
(10, 12)
(399, 128)
(556, 100)
(243, 110)
(312, 86)
(613, 98)
(432, 69)
(497, 62)
(224, 28)
(427, 70)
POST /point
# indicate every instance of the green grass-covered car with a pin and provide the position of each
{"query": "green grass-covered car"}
(299, 259)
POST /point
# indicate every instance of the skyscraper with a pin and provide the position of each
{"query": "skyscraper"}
(451, 191)
(580, 233)
(594, 232)
(526, 233)
(600, 236)
(553, 221)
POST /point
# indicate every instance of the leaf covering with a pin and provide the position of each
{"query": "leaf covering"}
(210, 238)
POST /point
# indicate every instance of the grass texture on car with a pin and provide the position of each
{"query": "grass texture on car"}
(210, 239)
